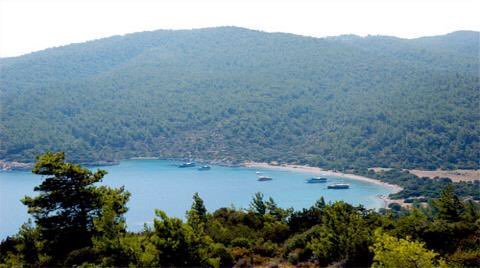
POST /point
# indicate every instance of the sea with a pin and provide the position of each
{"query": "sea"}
(161, 184)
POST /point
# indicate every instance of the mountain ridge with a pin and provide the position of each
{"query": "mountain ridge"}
(341, 36)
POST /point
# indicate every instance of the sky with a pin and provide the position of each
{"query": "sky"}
(31, 25)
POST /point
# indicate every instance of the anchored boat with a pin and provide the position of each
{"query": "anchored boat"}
(264, 178)
(188, 164)
(339, 186)
(205, 167)
(317, 180)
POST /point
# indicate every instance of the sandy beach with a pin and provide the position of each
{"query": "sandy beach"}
(320, 171)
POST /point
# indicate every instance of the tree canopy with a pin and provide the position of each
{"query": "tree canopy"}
(69, 209)
(233, 94)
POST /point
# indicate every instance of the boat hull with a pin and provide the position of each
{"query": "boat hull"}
(204, 168)
(186, 165)
(338, 187)
(317, 180)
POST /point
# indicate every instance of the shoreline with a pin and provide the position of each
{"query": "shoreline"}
(7, 166)
(319, 171)
(12, 165)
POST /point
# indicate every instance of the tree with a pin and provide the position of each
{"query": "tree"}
(257, 204)
(413, 224)
(21, 250)
(343, 235)
(320, 203)
(177, 243)
(66, 205)
(403, 253)
(449, 207)
(197, 215)
(306, 218)
(472, 212)
(110, 227)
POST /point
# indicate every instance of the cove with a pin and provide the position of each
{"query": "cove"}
(160, 184)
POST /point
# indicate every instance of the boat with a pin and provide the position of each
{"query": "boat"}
(339, 186)
(317, 180)
(258, 172)
(264, 178)
(204, 167)
(188, 164)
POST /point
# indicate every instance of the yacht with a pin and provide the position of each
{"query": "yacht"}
(204, 167)
(264, 178)
(339, 186)
(317, 180)
(188, 164)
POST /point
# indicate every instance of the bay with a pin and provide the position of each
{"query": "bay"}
(160, 184)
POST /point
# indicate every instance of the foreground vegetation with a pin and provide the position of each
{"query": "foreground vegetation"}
(233, 94)
(79, 223)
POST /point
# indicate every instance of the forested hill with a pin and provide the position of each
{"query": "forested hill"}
(236, 94)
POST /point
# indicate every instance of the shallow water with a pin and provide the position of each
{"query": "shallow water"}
(160, 184)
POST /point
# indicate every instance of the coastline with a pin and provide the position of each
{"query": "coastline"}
(6, 166)
(320, 171)
(14, 165)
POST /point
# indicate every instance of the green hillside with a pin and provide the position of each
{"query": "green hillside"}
(235, 94)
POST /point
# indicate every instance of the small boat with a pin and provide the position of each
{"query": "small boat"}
(339, 186)
(317, 180)
(188, 164)
(264, 178)
(205, 167)
(258, 172)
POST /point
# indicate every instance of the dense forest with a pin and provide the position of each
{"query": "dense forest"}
(78, 223)
(234, 94)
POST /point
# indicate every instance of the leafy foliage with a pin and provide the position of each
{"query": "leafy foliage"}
(392, 252)
(234, 94)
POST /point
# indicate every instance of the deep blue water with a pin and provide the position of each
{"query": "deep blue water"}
(159, 184)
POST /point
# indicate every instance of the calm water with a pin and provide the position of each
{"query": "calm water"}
(160, 184)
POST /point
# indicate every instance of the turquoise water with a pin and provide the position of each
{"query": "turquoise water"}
(160, 184)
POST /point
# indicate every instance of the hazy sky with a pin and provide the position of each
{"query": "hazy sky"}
(30, 25)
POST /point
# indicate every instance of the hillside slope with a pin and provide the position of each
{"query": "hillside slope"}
(235, 94)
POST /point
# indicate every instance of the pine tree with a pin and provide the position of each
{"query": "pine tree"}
(448, 205)
(197, 215)
(110, 227)
(65, 206)
(257, 204)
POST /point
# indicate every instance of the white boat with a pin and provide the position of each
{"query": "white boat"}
(204, 168)
(188, 164)
(317, 180)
